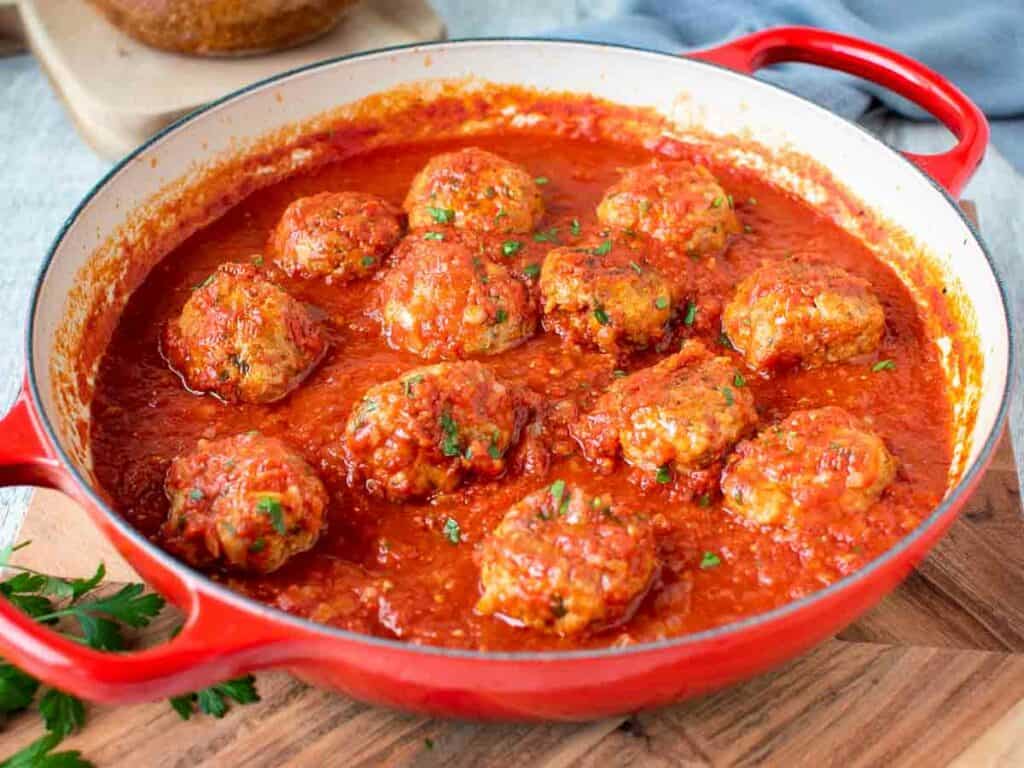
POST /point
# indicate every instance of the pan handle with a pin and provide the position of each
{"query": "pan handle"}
(883, 66)
(219, 640)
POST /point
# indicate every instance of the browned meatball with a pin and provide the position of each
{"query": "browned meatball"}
(474, 189)
(247, 503)
(337, 236)
(603, 292)
(673, 201)
(789, 312)
(562, 561)
(242, 338)
(431, 427)
(680, 415)
(820, 460)
(445, 298)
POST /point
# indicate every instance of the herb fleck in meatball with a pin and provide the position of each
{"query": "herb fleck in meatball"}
(242, 338)
(430, 428)
(674, 201)
(562, 561)
(247, 503)
(790, 312)
(474, 189)
(445, 298)
(682, 414)
(818, 460)
(604, 293)
(337, 236)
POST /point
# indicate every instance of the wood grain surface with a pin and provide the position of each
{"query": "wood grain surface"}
(933, 676)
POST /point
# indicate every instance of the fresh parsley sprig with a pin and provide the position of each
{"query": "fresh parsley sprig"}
(100, 620)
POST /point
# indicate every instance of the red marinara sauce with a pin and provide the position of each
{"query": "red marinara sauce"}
(393, 570)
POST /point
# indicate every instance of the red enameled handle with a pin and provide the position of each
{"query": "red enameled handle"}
(910, 79)
(218, 641)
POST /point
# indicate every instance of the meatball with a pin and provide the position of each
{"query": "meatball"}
(562, 561)
(818, 460)
(474, 189)
(430, 428)
(445, 298)
(605, 293)
(790, 312)
(682, 414)
(674, 201)
(247, 503)
(243, 338)
(337, 236)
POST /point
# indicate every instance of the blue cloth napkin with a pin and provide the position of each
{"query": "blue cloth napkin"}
(978, 45)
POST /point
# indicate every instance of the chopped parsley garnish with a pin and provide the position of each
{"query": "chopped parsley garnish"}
(206, 282)
(601, 316)
(691, 313)
(661, 302)
(271, 507)
(531, 270)
(409, 383)
(257, 261)
(196, 494)
(723, 341)
(500, 316)
(710, 560)
(664, 475)
(257, 546)
(542, 180)
(546, 235)
(729, 200)
(574, 227)
(717, 202)
(704, 500)
(433, 236)
(369, 405)
(441, 215)
(738, 381)
(501, 214)
(368, 261)
(510, 247)
(883, 365)
(450, 439)
(602, 249)
(727, 394)
(558, 495)
(493, 450)
(636, 267)
(618, 373)
(452, 532)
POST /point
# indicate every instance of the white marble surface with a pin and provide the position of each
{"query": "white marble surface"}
(45, 170)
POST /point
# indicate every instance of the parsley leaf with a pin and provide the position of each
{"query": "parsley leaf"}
(270, 506)
(452, 532)
(664, 475)
(511, 247)
(214, 700)
(710, 560)
(40, 754)
(691, 313)
(450, 435)
(883, 365)
(602, 249)
(62, 712)
(661, 302)
(433, 236)
(531, 270)
(16, 689)
(704, 500)
(441, 215)
(601, 316)
(541, 180)
(557, 492)
(739, 381)
(500, 316)
(574, 227)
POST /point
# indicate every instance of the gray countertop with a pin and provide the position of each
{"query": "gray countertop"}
(46, 169)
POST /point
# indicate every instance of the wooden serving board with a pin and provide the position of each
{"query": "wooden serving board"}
(120, 92)
(933, 676)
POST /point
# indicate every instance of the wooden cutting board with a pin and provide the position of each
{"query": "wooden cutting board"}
(933, 676)
(119, 92)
